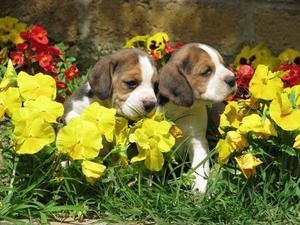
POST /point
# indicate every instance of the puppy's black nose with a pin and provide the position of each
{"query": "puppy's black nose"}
(230, 80)
(148, 106)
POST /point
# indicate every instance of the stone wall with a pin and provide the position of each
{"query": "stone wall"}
(225, 24)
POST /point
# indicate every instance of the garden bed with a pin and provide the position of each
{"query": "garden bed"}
(255, 164)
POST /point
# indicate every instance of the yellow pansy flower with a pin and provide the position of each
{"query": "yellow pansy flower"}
(104, 118)
(8, 22)
(265, 84)
(224, 150)
(261, 127)
(92, 170)
(260, 54)
(32, 87)
(10, 76)
(10, 30)
(243, 57)
(79, 139)
(282, 112)
(156, 131)
(237, 141)
(49, 110)
(289, 56)
(297, 142)
(10, 100)
(152, 138)
(23, 114)
(248, 164)
(157, 42)
(136, 41)
(32, 135)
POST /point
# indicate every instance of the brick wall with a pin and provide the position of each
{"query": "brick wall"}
(225, 24)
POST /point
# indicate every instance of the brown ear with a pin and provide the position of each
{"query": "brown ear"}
(174, 85)
(100, 78)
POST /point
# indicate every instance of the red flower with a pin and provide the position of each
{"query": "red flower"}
(39, 34)
(293, 76)
(25, 35)
(54, 50)
(36, 47)
(169, 49)
(71, 72)
(59, 84)
(17, 57)
(244, 76)
(44, 59)
(155, 55)
(178, 45)
(22, 46)
(50, 69)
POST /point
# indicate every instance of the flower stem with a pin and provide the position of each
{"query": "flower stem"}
(11, 183)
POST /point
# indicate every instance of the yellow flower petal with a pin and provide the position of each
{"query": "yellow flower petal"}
(103, 118)
(248, 164)
(289, 56)
(224, 151)
(32, 87)
(9, 77)
(237, 141)
(80, 139)
(48, 109)
(2, 111)
(32, 135)
(157, 41)
(154, 160)
(136, 41)
(121, 131)
(92, 170)
(10, 100)
(254, 123)
(263, 84)
(282, 112)
(141, 155)
(297, 142)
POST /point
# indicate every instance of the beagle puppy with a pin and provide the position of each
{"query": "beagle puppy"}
(124, 80)
(194, 76)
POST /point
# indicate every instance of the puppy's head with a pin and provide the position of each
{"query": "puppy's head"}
(127, 77)
(196, 72)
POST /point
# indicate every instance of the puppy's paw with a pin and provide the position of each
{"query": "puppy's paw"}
(199, 185)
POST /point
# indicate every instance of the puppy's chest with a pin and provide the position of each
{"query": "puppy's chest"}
(192, 121)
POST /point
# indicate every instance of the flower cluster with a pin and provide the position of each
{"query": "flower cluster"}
(245, 63)
(82, 139)
(157, 46)
(10, 29)
(31, 52)
(261, 123)
(29, 101)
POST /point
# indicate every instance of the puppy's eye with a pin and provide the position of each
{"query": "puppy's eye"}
(132, 84)
(207, 72)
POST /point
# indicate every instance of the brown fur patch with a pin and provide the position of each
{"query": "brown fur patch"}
(187, 71)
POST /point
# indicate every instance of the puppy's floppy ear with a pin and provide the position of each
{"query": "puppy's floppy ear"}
(174, 85)
(100, 78)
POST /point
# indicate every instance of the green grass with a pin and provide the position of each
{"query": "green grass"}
(29, 189)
